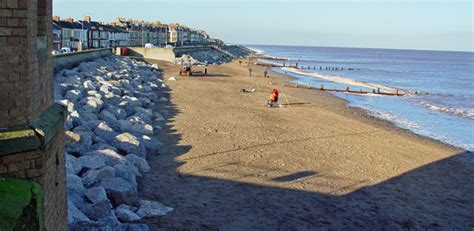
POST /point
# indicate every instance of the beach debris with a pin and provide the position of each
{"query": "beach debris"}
(172, 78)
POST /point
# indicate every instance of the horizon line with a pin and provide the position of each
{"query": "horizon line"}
(356, 47)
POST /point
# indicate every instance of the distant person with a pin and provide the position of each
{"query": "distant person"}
(250, 71)
(265, 73)
(240, 62)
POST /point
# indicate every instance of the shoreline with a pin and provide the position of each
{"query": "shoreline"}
(364, 114)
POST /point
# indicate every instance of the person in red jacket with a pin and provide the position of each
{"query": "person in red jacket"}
(273, 98)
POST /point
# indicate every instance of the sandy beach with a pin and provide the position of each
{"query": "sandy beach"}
(231, 163)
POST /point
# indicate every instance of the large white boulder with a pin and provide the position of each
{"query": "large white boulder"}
(91, 162)
(128, 143)
(74, 215)
(72, 164)
(97, 211)
(139, 162)
(73, 95)
(74, 185)
(119, 113)
(88, 116)
(111, 99)
(92, 104)
(108, 155)
(90, 85)
(94, 176)
(120, 191)
(107, 115)
(96, 194)
(104, 131)
(152, 208)
(145, 114)
(141, 129)
(163, 100)
(152, 145)
(158, 117)
(127, 173)
(126, 215)
(72, 141)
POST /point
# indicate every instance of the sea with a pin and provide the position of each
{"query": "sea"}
(438, 86)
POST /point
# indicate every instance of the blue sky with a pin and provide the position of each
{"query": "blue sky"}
(407, 24)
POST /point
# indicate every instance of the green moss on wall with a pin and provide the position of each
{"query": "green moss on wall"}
(21, 205)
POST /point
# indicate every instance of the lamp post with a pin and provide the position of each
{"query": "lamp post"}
(82, 35)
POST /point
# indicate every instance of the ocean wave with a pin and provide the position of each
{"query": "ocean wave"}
(400, 121)
(344, 80)
(463, 112)
(416, 128)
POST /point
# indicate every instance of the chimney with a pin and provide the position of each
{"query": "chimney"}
(87, 18)
(56, 18)
(69, 20)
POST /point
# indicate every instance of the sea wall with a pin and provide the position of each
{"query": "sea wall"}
(70, 60)
(164, 54)
(202, 54)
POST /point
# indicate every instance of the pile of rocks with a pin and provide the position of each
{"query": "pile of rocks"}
(109, 131)
(205, 57)
(237, 51)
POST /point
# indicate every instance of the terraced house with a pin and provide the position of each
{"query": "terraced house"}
(88, 34)
(73, 34)
(97, 34)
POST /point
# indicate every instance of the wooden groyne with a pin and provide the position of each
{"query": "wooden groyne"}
(347, 90)
(268, 58)
(296, 65)
(321, 88)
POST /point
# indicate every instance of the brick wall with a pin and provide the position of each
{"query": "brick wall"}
(47, 167)
(26, 91)
(25, 65)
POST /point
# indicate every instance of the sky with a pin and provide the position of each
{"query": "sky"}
(401, 24)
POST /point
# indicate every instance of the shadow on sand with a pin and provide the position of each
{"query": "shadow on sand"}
(439, 195)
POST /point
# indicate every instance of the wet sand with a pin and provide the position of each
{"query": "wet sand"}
(231, 163)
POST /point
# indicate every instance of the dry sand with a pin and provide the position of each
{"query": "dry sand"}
(230, 163)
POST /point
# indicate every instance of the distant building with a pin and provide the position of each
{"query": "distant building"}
(172, 34)
(72, 33)
(97, 35)
(135, 30)
(161, 31)
(57, 37)
(118, 37)
(122, 32)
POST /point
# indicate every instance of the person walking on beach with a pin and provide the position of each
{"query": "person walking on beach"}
(265, 73)
(250, 71)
